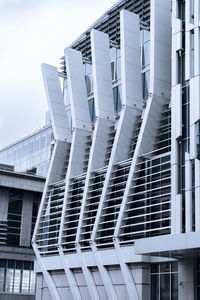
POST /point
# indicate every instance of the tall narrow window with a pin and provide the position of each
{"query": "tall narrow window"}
(181, 9)
(115, 58)
(197, 128)
(14, 217)
(92, 109)
(192, 53)
(88, 78)
(192, 11)
(179, 66)
(145, 84)
(117, 98)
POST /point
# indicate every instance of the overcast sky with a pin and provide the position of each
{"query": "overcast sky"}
(33, 32)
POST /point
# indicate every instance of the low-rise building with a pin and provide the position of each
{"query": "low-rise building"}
(20, 196)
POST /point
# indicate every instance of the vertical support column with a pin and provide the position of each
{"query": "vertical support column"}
(4, 204)
(176, 112)
(141, 274)
(26, 222)
(186, 279)
(188, 193)
(4, 201)
(103, 97)
(197, 195)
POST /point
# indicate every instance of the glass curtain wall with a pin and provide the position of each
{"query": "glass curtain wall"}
(17, 277)
(164, 281)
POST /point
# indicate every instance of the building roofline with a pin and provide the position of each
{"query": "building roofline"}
(26, 137)
(24, 175)
(99, 20)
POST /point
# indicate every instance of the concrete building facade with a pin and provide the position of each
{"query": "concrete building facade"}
(20, 197)
(120, 213)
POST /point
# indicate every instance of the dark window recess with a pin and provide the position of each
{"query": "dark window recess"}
(117, 98)
(92, 110)
(14, 217)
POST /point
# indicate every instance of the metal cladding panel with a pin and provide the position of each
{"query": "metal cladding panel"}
(77, 90)
(197, 195)
(130, 59)
(103, 92)
(160, 48)
(176, 111)
(56, 103)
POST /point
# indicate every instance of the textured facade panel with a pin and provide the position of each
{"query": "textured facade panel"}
(132, 172)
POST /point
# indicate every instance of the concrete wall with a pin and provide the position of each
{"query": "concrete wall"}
(16, 297)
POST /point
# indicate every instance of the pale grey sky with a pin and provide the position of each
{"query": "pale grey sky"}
(33, 32)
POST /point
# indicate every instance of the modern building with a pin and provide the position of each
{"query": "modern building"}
(30, 154)
(20, 196)
(120, 212)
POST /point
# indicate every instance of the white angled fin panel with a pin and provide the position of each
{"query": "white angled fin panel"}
(55, 99)
(160, 45)
(77, 90)
(81, 132)
(101, 70)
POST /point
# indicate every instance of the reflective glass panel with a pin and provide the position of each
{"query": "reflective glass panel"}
(165, 286)
(155, 287)
(174, 286)
(112, 53)
(118, 68)
(25, 281)
(92, 110)
(145, 84)
(32, 282)
(17, 281)
(9, 280)
(2, 280)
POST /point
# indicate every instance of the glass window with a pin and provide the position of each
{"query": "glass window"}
(115, 57)
(145, 54)
(69, 118)
(192, 53)
(165, 286)
(9, 280)
(2, 271)
(89, 83)
(88, 69)
(197, 127)
(25, 281)
(181, 9)
(14, 217)
(17, 281)
(92, 110)
(192, 11)
(32, 282)
(118, 71)
(154, 287)
(145, 84)
(164, 281)
(117, 97)
(113, 53)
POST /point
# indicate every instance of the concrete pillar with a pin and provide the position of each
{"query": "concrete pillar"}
(186, 279)
(4, 200)
(141, 278)
(26, 221)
